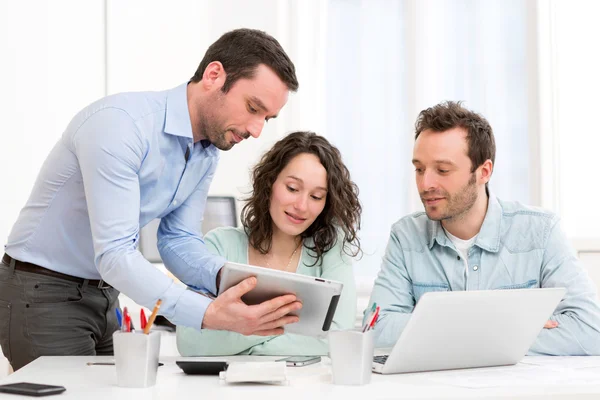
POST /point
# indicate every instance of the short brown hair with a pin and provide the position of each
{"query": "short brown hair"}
(241, 51)
(341, 214)
(451, 114)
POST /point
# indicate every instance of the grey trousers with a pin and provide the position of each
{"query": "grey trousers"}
(46, 316)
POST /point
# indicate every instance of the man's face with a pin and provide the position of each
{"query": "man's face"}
(447, 187)
(228, 118)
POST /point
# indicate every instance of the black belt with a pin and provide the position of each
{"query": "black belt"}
(36, 269)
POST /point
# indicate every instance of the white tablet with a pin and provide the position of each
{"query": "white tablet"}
(319, 297)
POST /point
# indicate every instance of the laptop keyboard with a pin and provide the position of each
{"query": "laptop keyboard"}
(380, 359)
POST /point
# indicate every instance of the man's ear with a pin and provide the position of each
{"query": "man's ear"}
(485, 171)
(214, 76)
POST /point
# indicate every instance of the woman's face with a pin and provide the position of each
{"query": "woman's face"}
(298, 194)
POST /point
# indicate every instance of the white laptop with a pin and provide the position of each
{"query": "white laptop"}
(467, 329)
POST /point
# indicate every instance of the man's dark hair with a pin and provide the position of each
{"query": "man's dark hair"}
(451, 114)
(241, 51)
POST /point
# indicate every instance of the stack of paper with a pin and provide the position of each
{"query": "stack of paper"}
(264, 371)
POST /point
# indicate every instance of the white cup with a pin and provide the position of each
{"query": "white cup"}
(351, 353)
(136, 358)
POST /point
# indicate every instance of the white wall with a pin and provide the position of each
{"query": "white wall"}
(575, 70)
(168, 43)
(52, 65)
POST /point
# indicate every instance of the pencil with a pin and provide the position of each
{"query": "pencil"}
(152, 317)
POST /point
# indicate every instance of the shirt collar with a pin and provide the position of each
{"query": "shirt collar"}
(436, 234)
(489, 234)
(488, 237)
(177, 120)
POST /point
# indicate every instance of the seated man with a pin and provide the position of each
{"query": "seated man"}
(467, 239)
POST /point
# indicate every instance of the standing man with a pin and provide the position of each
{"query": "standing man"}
(467, 239)
(123, 161)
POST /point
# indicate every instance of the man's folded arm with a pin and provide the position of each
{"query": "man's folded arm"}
(578, 314)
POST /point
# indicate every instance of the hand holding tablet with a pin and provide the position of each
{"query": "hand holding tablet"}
(319, 297)
(229, 312)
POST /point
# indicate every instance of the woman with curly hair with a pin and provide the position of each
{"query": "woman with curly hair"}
(302, 216)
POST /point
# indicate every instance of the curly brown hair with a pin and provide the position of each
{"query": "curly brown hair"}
(341, 214)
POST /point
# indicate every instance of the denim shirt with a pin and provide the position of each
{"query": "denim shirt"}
(517, 247)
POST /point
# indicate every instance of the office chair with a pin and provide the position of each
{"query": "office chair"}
(219, 211)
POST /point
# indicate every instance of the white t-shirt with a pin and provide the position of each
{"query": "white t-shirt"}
(463, 247)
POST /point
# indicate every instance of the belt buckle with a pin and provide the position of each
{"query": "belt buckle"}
(103, 285)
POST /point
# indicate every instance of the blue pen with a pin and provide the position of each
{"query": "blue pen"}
(119, 316)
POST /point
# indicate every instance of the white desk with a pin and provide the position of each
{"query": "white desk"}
(310, 382)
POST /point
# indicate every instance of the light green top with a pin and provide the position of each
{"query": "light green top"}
(232, 243)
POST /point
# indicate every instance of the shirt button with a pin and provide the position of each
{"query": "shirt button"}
(458, 258)
(475, 267)
(174, 202)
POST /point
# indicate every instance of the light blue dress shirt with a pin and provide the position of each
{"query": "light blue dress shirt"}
(120, 164)
(517, 247)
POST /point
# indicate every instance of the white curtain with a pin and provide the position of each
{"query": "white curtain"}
(366, 113)
(387, 60)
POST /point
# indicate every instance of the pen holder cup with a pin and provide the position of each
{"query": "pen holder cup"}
(136, 358)
(351, 353)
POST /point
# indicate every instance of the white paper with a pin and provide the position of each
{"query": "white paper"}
(563, 362)
(517, 375)
(266, 372)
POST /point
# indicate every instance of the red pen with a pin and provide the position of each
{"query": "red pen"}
(126, 321)
(143, 320)
(374, 320)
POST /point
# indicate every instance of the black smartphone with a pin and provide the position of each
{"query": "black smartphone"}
(31, 389)
(301, 361)
(202, 367)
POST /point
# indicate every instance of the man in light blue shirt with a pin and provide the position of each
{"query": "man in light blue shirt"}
(467, 239)
(122, 162)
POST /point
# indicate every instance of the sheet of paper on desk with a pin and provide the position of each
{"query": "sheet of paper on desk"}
(255, 371)
(516, 375)
(563, 362)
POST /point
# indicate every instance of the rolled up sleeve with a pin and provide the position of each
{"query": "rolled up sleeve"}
(578, 314)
